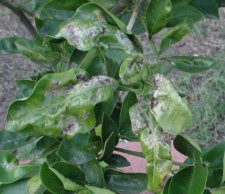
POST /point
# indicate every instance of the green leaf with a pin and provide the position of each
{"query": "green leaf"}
(59, 105)
(35, 51)
(93, 173)
(185, 145)
(175, 34)
(15, 188)
(159, 160)
(218, 190)
(116, 160)
(50, 180)
(67, 174)
(157, 15)
(125, 122)
(207, 7)
(10, 140)
(214, 178)
(190, 180)
(30, 6)
(8, 45)
(34, 186)
(25, 87)
(39, 148)
(213, 158)
(60, 10)
(181, 12)
(97, 190)
(169, 110)
(10, 170)
(192, 64)
(185, 2)
(79, 149)
(126, 182)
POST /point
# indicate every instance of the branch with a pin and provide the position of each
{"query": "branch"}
(23, 18)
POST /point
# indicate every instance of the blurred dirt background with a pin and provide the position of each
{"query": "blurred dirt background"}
(205, 92)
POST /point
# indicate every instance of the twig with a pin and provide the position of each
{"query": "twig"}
(134, 16)
(23, 18)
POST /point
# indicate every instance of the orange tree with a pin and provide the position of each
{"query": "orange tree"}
(99, 88)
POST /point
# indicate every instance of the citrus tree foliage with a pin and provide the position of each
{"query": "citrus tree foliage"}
(99, 88)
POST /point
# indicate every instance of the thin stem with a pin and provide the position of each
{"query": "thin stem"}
(134, 16)
(155, 51)
(23, 18)
(130, 152)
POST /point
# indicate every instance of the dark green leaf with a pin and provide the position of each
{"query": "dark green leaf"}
(207, 7)
(214, 178)
(93, 173)
(185, 145)
(157, 15)
(175, 34)
(213, 158)
(79, 149)
(190, 180)
(124, 122)
(108, 127)
(116, 160)
(126, 183)
(192, 64)
(50, 180)
(182, 12)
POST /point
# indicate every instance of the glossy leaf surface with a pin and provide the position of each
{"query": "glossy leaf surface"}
(158, 13)
(192, 64)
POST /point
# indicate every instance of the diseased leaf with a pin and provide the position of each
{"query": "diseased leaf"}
(157, 15)
(189, 180)
(159, 160)
(59, 106)
(192, 64)
(79, 149)
(169, 110)
(11, 171)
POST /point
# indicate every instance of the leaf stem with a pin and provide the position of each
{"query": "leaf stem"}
(155, 50)
(180, 164)
(23, 18)
(130, 152)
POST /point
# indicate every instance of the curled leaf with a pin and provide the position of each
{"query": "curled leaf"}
(168, 108)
